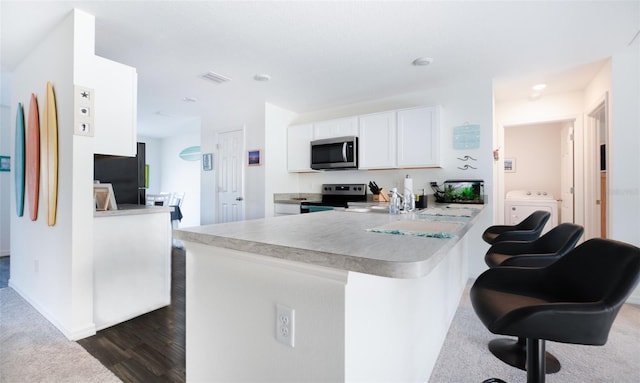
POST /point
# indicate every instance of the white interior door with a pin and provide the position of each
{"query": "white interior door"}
(231, 177)
(566, 175)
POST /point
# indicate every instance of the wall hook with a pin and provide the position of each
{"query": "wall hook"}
(466, 158)
(466, 167)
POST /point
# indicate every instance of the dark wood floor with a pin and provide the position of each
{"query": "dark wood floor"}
(151, 347)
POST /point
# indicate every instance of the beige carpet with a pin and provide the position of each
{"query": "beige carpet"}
(466, 358)
(33, 350)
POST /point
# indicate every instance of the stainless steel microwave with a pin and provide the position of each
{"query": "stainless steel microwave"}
(334, 153)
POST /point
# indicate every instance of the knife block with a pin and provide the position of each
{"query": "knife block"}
(382, 197)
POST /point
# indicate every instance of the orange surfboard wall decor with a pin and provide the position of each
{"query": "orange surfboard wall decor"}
(51, 139)
(33, 157)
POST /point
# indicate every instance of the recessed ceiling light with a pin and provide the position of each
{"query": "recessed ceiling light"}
(539, 87)
(189, 99)
(422, 61)
(262, 77)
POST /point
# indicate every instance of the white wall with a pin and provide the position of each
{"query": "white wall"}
(276, 122)
(182, 176)
(52, 267)
(5, 179)
(250, 116)
(624, 141)
(536, 150)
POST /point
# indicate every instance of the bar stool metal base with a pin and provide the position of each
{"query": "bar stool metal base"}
(514, 353)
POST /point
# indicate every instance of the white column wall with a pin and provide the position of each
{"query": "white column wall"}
(52, 267)
(624, 140)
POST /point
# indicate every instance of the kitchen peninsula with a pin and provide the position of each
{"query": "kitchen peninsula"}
(368, 306)
(132, 262)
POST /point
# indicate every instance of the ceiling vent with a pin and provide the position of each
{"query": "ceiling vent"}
(215, 77)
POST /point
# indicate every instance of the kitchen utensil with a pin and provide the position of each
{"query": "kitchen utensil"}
(374, 187)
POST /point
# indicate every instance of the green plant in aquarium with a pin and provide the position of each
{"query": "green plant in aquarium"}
(450, 193)
(467, 193)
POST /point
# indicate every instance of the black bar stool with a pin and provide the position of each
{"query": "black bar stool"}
(539, 253)
(527, 230)
(574, 300)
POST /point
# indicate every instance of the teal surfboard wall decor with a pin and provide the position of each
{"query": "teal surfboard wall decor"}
(191, 153)
(19, 161)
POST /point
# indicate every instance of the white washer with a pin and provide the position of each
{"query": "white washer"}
(519, 204)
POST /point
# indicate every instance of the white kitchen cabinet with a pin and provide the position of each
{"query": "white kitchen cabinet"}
(116, 103)
(418, 137)
(377, 141)
(336, 128)
(404, 138)
(299, 147)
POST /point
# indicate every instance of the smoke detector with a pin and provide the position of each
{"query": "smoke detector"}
(262, 77)
(422, 61)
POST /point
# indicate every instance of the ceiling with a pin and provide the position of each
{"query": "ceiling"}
(323, 54)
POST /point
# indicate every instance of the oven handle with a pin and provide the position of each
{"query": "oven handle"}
(344, 151)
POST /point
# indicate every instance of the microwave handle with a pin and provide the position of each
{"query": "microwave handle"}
(344, 151)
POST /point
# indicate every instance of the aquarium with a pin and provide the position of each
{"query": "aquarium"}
(462, 191)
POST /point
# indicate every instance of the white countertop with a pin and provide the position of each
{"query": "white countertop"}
(133, 210)
(336, 239)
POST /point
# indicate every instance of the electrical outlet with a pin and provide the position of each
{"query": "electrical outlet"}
(285, 325)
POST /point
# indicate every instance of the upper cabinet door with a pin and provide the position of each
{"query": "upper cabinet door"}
(419, 137)
(299, 147)
(336, 128)
(116, 104)
(377, 141)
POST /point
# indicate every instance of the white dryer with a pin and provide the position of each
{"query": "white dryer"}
(519, 204)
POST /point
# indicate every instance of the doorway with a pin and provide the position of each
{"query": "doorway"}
(230, 176)
(596, 169)
(541, 155)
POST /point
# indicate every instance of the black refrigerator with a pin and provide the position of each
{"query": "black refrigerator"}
(125, 174)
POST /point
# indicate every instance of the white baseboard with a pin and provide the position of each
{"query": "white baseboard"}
(80, 332)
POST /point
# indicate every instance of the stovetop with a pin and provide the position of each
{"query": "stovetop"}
(340, 194)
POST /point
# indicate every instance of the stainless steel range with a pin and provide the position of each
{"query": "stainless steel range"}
(336, 195)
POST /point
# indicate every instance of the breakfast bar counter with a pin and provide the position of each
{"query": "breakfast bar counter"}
(339, 239)
(373, 294)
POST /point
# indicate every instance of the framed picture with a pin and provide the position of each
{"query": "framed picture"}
(254, 157)
(5, 163)
(207, 162)
(104, 197)
(509, 165)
